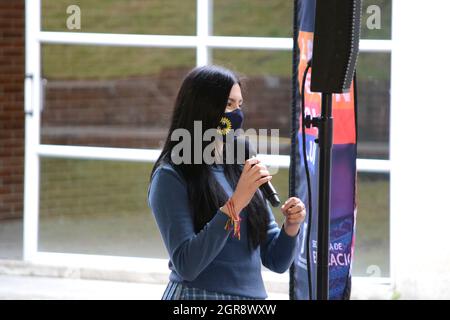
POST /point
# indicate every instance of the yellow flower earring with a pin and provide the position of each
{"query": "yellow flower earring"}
(224, 126)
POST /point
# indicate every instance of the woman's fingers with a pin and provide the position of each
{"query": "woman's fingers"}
(259, 174)
(255, 167)
(296, 214)
(296, 218)
(263, 180)
(258, 170)
(293, 206)
(248, 164)
(290, 202)
(295, 209)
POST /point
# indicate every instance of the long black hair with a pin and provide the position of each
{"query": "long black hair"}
(203, 97)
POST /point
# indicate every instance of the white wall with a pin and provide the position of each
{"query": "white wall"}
(420, 149)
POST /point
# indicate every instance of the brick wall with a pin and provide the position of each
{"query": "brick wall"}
(11, 108)
(135, 112)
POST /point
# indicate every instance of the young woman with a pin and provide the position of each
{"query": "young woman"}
(214, 221)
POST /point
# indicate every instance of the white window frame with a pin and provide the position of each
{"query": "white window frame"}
(203, 42)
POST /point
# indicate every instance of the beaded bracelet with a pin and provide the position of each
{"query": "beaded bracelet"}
(233, 220)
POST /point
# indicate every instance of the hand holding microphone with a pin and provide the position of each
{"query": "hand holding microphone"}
(254, 175)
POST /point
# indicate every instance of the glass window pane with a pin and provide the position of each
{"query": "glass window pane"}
(253, 18)
(376, 19)
(372, 226)
(11, 238)
(171, 17)
(374, 85)
(274, 18)
(110, 96)
(97, 207)
(372, 222)
(267, 88)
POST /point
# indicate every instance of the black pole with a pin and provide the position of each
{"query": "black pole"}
(325, 144)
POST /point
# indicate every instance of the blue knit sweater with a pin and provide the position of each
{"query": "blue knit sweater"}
(213, 259)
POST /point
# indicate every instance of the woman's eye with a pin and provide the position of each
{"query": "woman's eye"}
(230, 105)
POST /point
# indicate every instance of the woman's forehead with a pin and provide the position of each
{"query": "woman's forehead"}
(235, 93)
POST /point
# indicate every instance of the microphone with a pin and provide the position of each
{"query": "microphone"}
(267, 189)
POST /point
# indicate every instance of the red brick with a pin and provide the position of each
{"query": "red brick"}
(11, 107)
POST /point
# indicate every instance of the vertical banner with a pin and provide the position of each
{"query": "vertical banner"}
(343, 175)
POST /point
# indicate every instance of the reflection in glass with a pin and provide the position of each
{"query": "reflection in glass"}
(253, 18)
(166, 17)
(97, 207)
(376, 19)
(100, 207)
(256, 18)
(372, 226)
(373, 105)
(110, 96)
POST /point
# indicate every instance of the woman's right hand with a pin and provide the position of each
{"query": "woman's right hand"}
(253, 175)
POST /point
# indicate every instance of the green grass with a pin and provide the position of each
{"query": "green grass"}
(374, 66)
(105, 62)
(255, 62)
(372, 224)
(171, 17)
(386, 12)
(271, 18)
(80, 194)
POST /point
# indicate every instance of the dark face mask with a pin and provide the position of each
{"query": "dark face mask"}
(231, 120)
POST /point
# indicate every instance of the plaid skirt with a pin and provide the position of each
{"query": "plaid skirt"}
(176, 291)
